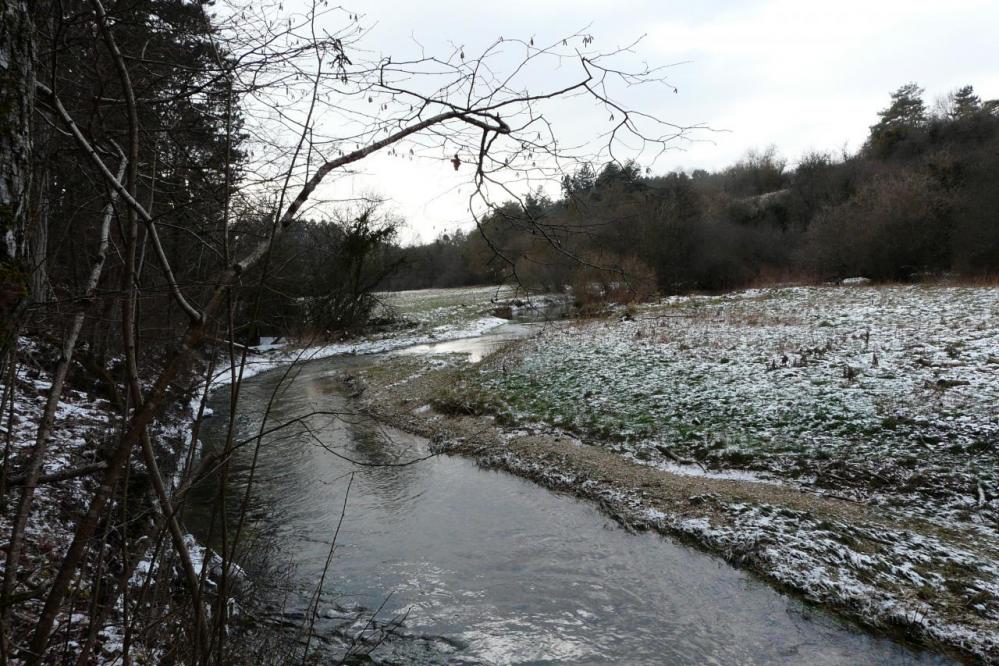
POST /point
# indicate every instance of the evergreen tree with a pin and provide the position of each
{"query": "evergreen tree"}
(906, 109)
(580, 183)
(904, 116)
(965, 103)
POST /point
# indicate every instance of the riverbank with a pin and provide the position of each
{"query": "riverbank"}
(908, 558)
(86, 424)
(419, 317)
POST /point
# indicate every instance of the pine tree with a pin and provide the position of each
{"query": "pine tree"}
(906, 109)
(965, 103)
(905, 114)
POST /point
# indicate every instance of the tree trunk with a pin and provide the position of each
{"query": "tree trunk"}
(40, 289)
(17, 85)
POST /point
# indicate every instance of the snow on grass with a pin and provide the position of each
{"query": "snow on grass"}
(700, 471)
(923, 585)
(374, 344)
(445, 307)
(887, 394)
(80, 420)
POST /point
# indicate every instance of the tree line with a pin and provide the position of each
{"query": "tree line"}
(920, 196)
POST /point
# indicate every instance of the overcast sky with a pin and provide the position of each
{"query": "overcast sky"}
(798, 74)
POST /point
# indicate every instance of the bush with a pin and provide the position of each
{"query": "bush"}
(604, 277)
(895, 227)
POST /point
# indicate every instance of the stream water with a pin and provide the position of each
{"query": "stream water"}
(440, 561)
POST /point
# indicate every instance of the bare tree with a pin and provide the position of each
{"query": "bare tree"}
(311, 107)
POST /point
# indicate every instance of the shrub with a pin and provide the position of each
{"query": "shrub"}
(896, 226)
(607, 277)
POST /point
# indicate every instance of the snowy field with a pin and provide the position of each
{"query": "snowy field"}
(885, 394)
(444, 308)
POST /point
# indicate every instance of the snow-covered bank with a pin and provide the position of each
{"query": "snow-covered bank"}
(84, 428)
(385, 342)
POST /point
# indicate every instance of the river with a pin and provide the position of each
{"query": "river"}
(440, 561)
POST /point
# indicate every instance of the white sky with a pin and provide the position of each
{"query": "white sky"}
(799, 74)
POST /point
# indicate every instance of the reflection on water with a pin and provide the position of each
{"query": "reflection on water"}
(476, 348)
(441, 561)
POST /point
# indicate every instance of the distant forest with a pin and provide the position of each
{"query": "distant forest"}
(921, 196)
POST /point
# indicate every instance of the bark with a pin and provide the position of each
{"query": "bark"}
(38, 240)
(17, 79)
